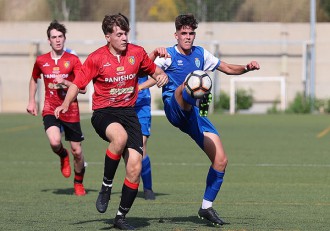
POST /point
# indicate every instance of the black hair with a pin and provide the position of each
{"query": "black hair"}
(186, 20)
(110, 21)
(57, 26)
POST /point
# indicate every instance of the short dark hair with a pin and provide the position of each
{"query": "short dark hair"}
(110, 21)
(185, 20)
(57, 26)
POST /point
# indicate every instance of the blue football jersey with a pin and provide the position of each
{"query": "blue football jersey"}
(179, 66)
(144, 96)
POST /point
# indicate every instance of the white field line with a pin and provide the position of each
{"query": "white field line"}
(184, 164)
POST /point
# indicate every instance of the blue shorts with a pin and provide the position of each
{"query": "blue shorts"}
(144, 115)
(190, 122)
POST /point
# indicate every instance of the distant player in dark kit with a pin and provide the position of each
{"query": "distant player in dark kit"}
(114, 70)
(59, 69)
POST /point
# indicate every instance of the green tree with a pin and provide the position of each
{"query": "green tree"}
(67, 10)
(163, 10)
(325, 5)
(210, 10)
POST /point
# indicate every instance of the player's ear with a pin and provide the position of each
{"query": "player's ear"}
(107, 37)
(176, 35)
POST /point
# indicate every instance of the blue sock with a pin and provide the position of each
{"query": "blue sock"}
(186, 97)
(213, 183)
(146, 173)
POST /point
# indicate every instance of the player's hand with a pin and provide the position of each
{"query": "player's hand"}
(60, 109)
(59, 79)
(162, 80)
(253, 65)
(161, 52)
(32, 109)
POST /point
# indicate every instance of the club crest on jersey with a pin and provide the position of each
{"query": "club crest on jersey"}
(131, 60)
(197, 62)
(66, 64)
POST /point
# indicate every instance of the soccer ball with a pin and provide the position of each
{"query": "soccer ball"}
(198, 83)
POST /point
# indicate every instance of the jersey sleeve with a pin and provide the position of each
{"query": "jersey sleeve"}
(77, 66)
(36, 71)
(211, 62)
(147, 65)
(164, 63)
(85, 73)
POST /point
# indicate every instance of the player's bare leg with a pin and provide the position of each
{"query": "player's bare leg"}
(79, 168)
(215, 152)
(133, 161)
(117, 136)
(179, 98)
(54, 137)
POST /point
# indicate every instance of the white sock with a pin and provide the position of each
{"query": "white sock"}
(119, 213)
(206, 204)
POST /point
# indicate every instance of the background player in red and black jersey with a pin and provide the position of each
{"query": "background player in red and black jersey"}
(58, 69)
(114, 69)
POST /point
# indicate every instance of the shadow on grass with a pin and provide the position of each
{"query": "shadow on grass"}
(66, 191)
(141, 194)
(143, 222)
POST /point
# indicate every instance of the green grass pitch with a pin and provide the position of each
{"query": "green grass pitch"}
(278, 177)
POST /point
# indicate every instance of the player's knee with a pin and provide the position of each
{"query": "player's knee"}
(77, 153)
(221, 163)
(55, 143)
(133, 172)
(120, 141)
(55, 146)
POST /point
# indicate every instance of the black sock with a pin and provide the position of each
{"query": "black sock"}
(128, 196)
(111, 163)
(79, 177)
(62, 152)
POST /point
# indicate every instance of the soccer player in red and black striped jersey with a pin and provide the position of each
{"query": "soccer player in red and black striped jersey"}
(114, 69)
(58, 69)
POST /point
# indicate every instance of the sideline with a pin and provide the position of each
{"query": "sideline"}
(323, 133)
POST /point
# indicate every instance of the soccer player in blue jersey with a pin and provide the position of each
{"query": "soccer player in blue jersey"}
(143, 111)
(187, 113)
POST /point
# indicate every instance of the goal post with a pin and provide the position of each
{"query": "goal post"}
(235, 80)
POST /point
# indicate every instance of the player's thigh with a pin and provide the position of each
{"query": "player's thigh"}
(52, 129)
(116, 134)
(54, 135)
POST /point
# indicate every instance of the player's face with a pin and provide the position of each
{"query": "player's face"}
(185, 38)
(56, 40)
(117, 40)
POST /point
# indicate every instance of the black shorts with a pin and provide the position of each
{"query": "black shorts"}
(127, 117)
(72, 131)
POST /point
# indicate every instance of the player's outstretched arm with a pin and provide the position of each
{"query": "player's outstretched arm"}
(160, 77)
(32, 106)
(147, 84)
(159, 52)
(69, 98)
(234, 69)
(60, 80)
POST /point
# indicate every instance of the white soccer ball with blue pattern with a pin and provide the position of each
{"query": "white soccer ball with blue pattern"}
(198, 83)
